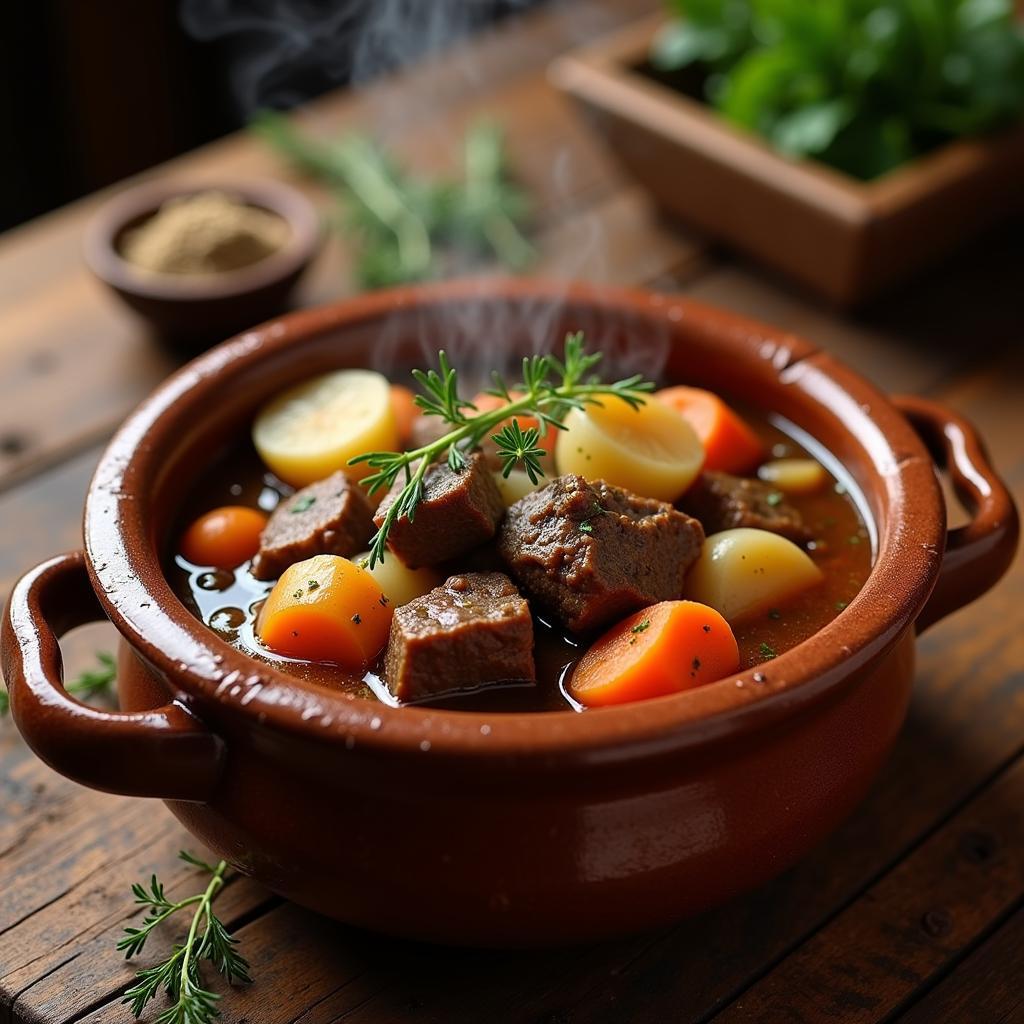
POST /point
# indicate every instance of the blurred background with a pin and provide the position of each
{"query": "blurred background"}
(93, 92)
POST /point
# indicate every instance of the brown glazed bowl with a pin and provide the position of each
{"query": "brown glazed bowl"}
(494, 829)
(201, 309)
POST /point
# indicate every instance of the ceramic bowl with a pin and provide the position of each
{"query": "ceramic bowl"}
(515, 829)
(198, 309)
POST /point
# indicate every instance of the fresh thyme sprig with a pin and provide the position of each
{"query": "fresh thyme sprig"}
(179, 974)
(87, 684)
(550, 387)
(407, 228)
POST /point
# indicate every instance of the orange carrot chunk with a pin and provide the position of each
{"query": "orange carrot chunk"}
(224, 537)
(666, 648)
(403, 405)
(326, 609)
(730, 445)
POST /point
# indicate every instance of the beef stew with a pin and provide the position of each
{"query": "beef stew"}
(825, 521)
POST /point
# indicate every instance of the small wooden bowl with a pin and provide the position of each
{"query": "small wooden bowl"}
(198, 309)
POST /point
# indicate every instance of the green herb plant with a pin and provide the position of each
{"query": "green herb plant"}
(862, 85)
(179, 974)
(92, 683)
(405, 227)
(550, 387)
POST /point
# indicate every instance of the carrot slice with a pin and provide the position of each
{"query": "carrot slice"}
(671, 646)
(403, 405)
(329, 609)
(487, 403)
(224, 537)
(729, 444)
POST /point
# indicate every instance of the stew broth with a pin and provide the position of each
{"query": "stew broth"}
(228, 601)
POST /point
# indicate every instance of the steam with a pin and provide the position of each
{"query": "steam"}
(284, 51)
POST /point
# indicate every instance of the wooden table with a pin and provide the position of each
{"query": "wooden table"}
(912, 912)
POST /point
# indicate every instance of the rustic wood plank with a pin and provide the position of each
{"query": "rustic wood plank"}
(922, 334)
(984, 988)
(864, 965)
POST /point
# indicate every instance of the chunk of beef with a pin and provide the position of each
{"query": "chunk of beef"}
(472, 631)
(457, 512)
(592, 553)
(723, 502)
(331, 517)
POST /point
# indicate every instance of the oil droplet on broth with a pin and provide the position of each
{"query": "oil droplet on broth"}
(215, 579)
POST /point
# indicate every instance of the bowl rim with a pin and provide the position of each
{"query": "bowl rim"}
(106, 262)
(124, 563)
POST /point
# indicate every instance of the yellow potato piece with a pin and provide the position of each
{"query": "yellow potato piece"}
(744, 572)
(651, 451)
(517, 485)
(400, 583)
(311, 430)
(794, 476)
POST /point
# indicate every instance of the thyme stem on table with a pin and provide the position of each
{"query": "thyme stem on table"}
(178, 974)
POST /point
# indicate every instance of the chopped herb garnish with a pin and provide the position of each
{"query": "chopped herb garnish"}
(313, 585)
(297, 595)
(303, 504)
(706, 628)
(840, 605)
(384, 601)
(644, 624)
(767, 651)
(586, 526)
(775, 498)
(357, 619)
(696, 664)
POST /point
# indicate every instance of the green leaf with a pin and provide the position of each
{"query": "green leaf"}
(811, 129)
(864, 85)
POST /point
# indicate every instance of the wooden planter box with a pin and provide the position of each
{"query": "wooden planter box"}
(846, 239)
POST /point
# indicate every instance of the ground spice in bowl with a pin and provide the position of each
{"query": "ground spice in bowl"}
(205, 233)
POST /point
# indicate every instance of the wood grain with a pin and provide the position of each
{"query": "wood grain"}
(985, 987)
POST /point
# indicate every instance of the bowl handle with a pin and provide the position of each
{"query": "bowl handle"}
(164, 753)
(979, 553)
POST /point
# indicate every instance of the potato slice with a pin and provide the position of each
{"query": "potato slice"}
(517, 485)
(326, 609)
(794, 476)
(311, 430)
(651, 451)
(744, 572)
(400, 583)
